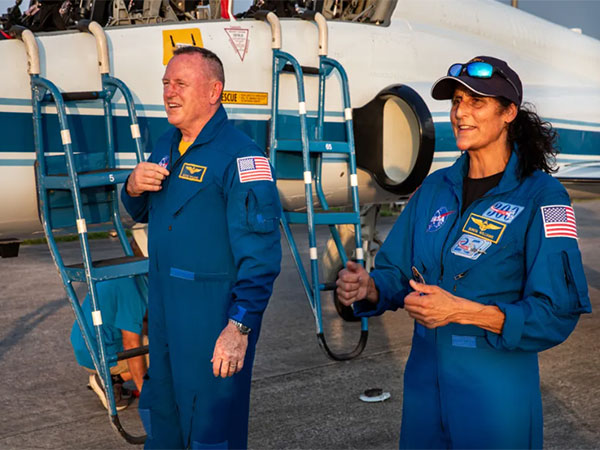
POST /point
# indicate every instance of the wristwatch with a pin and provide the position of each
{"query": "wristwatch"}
(243, 329)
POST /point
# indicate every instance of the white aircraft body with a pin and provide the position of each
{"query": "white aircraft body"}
(391, 67)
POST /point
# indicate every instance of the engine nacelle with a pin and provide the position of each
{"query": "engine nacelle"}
(395, 139)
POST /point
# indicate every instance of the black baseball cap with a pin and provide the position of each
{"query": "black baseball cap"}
(504, 82)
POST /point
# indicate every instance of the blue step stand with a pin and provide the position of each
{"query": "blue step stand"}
(77, 189)
(312, 151)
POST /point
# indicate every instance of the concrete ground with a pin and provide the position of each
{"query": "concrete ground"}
(300, 399)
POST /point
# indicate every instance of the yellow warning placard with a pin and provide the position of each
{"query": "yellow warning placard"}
(181, 37)
(244, 98)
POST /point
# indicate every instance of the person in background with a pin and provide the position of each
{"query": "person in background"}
(123, 309)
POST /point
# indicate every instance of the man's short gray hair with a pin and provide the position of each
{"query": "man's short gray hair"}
(215, 66)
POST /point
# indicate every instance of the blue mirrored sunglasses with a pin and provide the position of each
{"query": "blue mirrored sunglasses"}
(479, 69)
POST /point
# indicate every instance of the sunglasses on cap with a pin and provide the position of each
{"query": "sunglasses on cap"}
(479, 69)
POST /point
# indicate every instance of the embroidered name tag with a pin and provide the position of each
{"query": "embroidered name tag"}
(485, 228)
(192, 172)
(470, 247)
(504, 212)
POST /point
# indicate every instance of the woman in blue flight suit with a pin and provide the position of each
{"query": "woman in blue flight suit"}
(485, 259)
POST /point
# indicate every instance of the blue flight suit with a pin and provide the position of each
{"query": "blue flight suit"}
(214, 249)
(465, 387)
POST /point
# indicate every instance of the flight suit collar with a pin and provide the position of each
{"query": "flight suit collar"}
(181, 189)
(460, 169)
(208, 132)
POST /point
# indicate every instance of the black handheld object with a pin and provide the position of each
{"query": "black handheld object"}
(416, 275)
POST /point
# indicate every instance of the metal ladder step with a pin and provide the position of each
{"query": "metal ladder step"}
(76, 96)
(306, 70)
(94, 178)
(295, 145)
(107, 269)
(323, 218)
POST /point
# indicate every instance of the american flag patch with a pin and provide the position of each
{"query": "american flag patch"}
(254, 168)
(559, 221)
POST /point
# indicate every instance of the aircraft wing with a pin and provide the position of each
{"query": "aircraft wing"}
(582, 180)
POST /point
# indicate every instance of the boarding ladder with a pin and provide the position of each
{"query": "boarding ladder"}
(77, 189)
(312, 151)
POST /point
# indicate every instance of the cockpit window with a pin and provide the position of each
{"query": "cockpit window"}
(64, 14)
(360, 11)
(377, 12)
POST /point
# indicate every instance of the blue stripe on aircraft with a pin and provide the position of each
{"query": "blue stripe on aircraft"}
(547, 119)
(574, 142)
(16, 162)
(17, 133)
(147, 107)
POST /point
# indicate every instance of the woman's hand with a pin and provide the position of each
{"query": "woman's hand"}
(355, 284)
(430, 305)
(433, 307)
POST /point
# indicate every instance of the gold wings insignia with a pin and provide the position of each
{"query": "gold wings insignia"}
(192, 170)
(485, 225)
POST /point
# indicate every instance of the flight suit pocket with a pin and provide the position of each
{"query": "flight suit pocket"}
(200, 445)
(144, 406)
(262, 209)
(568, 282)
(198, 276)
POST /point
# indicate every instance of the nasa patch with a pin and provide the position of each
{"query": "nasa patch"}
(504, 212)
(470, 247)
(438, 219)
(164, 162)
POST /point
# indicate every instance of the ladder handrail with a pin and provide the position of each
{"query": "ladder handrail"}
(96, 30)
(273, 21)
(31, 48)
(321, 22)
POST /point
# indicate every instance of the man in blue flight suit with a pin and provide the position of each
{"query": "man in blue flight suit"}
(212, 207)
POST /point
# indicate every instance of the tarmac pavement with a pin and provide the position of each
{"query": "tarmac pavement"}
(300, 398)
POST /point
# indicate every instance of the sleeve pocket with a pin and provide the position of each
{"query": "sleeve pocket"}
(262, 208)
(568, 282)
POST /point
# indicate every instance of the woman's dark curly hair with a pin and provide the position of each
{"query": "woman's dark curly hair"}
(534, 140)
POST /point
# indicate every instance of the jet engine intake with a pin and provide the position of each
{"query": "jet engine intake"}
(395, 139)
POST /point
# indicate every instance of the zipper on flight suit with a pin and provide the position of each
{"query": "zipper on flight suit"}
(458, 277)
(459, 221)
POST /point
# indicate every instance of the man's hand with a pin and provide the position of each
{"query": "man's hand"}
(230, 350)
(146, 176)
(354, 284)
